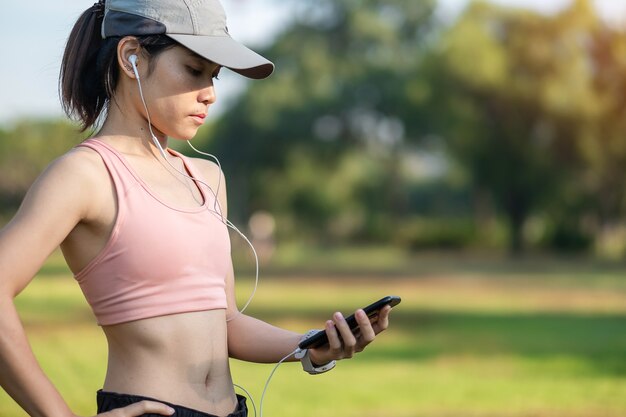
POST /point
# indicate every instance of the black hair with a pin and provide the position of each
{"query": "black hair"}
(89, 70)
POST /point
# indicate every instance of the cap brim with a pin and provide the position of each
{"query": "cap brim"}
(227, 52)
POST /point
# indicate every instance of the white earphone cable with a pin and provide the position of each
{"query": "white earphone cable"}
(267, 383)
(249, 396)
(198, 181)
(226, 222)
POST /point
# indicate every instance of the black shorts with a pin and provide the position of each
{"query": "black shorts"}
(108, 401)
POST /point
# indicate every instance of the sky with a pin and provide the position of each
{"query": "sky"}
(31, 59)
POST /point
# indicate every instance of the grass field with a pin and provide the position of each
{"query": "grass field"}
(471, 337)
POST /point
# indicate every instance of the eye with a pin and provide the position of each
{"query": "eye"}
(194, 71)
(216, 73)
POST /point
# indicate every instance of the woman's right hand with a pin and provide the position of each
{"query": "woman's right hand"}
(138, 409)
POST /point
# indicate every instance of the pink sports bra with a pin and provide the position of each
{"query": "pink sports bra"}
(160, 259)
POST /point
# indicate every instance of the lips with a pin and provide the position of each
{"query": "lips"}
(199, 117)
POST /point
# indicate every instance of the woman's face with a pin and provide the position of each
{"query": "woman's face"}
(179, 91)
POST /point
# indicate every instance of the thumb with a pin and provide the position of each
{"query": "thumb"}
(139, 408)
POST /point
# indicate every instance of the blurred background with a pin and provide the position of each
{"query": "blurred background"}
(469, 156)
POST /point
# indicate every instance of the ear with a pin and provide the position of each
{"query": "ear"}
(127, 47)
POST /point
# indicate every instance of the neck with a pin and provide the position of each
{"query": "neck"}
(131, 137)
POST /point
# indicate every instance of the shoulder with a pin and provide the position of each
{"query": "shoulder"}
(65, 193)
(212, 174)
(80, 166)
(77, 180)
(208, 169)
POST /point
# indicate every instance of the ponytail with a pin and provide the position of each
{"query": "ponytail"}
(89, 70)
(81, 85)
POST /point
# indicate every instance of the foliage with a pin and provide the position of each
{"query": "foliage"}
(25, 150)
(338, 96)
(526, 105)
(515, 87)
(381, 119)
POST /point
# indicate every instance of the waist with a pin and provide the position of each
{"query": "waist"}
(179, 358)
(108, 401)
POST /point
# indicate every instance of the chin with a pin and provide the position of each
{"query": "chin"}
(184, 136)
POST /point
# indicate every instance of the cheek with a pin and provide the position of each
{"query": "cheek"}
(169, 111)
(167, 95)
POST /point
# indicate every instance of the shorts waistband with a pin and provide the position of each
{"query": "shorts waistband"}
(108, 401)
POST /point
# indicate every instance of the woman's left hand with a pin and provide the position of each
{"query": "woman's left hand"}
(342, 343)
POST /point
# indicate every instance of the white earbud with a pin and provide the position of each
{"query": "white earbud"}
(133, 62)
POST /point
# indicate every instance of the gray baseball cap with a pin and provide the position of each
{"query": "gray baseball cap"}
(199, 25)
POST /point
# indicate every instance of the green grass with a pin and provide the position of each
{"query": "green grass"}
(472, 337)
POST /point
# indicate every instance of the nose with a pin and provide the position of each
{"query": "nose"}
(207, 94)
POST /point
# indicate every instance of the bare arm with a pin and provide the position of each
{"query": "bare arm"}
(48, 213)
(249, 339)
(61, 197)
(254, 340)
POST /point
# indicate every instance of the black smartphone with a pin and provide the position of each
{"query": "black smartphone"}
(319, 338)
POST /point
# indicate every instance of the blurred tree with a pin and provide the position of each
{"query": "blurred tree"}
(515, 87)
(602, 141)
(346, 71)
(379, 118)
(530, 106)
(25, 150)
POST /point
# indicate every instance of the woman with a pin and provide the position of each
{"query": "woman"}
(142, 227)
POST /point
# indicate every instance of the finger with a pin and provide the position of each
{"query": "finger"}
(367, 333)
(349, 341)
(383, 319)
(326, 353)
(139, 408)
(334, 342)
